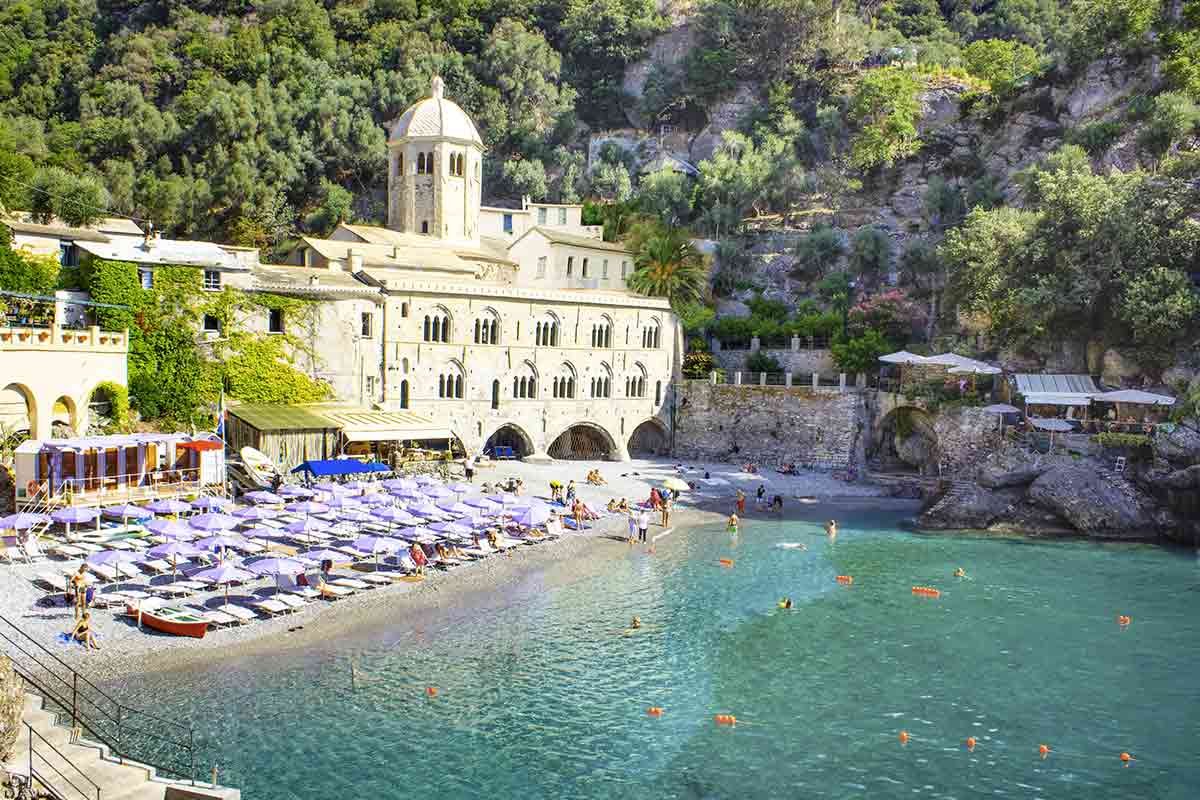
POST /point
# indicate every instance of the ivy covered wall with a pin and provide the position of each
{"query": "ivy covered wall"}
(175, 376)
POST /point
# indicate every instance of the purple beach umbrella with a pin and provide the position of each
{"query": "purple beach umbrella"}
(486, 503)
(460, 488)
(225, 574)
(292, 490)
(214, 522)
(533, 516)
(376, 545)
(114, 558)
(390, 513)
(176, 529)
(439, 492)
(322, 554)
(127, 512)
(256, 513)
(457, 508)
(425, 509)
(276, 567)
(221, 541)
(175, 551)
(306, 507)
(355, 515)
(210, 503)
(306, 526)
(77, 515)
(333, 488)
(377, 499)
(169, 506)
(264, 498)
(344, 501)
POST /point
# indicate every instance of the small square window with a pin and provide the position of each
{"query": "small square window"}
(570, 265)
(562, 216)
(541, 216)
(541, 267)
(508, 223)
(604, 269)
(212, 280)
(425, 226)
(624, 269)
(366, 324)
(146, 278)
(275, 321)
(211, 324)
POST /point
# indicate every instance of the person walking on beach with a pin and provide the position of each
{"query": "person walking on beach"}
(79, 588)
(570, 493)
(666, 512)
(643, 526)
(418, 557)
(577, 512)
(469, 469)
(741, 502)
(633, 526)
(760, 495)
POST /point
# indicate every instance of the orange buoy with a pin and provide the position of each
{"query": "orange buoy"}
(970, 742)
(1123, 620)
(926, 591)
(1126, 758)
(431, 691)
(1043, 751)
(725, 719)
(845, 579)
(903, 737)
(654, 711)
(726, 562)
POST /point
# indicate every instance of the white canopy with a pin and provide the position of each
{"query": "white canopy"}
(1136, 397)
(902, 357)
(1001, 408)
(1050, 424)
(978, 368)
(1056, 390)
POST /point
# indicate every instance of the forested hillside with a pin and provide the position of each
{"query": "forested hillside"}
(1017, 177)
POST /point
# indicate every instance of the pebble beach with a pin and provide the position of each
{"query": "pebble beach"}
(127, 649)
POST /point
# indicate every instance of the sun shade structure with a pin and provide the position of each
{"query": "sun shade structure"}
(171, 528)
(340, 466)
(1135, 397)
(1050, 424)
(128, 512)
(1001, 408)
(264, 497)
(676, 485)
(902, 357)
(1056, 390)
(21, 522)
(214, 522)
(210, 503)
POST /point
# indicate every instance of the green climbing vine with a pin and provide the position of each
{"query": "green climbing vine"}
(118, 399)
(175, 377)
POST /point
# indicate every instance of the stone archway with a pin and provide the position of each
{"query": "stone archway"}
(18, 410)
(907, 442)
(510, 435)
(64, 418)
(649, 439)
(584, 441)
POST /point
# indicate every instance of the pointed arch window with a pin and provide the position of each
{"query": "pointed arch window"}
(420, 163)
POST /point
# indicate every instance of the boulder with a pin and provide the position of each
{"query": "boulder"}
(971, 508)
(1181, 446)
(994, 478)
(1094, 504)
(1187, 478)
(1116, 369)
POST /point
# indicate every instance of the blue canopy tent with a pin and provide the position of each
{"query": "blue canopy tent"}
(340, 466)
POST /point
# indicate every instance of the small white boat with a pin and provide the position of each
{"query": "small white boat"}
(259, 468)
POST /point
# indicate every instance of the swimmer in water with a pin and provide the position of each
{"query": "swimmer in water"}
(786, 603)
(636, 623)
(732, 525)
(960, 573)
(831, 529)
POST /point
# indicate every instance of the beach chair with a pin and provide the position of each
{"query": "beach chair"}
(216, 618)
(104, 572)
(65, 551)
(288, 584)
(158, 566)
(239, 613)
(32, 550)
(375, 578)
(135, 594)
(272, 608)
(291, 601)
(108, 599)
(351, 583)
(129, 571)
(331, 592)
(52, 582)
(171, 590)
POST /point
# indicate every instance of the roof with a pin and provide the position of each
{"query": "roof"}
(558, 236)
(75, 234)
(1057, 390)
(115, 225)
(308, 280)
(165, 252)
(80, 443)
(359, 425)
(671, 162)
(1135, 397)
(341, 466)
(281, 418)
(435, 117)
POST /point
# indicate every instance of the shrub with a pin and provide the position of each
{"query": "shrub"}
(860, 354)
(698, 364)
(1130, 441)
(760, 361)
(1095, 137)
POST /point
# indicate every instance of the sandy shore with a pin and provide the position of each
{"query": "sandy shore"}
(127, 650)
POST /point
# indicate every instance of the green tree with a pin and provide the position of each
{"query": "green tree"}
(1003, 64)
(885, 109)
(860, 354)
(76, 200)
(820, 250)
(524, 177)
(334, 207)
(736, 180)
(600, 38)
(1173, 116)
(667, 264)
(1160, 307)
(24, 272)
(870, 252)
(666, 194)
(526, 70)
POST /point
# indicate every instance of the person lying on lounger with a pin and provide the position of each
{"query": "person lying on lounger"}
(83, 632)
(595, 478)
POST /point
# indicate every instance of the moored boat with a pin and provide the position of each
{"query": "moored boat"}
(169, 619)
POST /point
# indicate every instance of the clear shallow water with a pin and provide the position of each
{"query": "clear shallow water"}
(540, 695)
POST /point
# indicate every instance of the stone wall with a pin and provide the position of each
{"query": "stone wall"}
(801, 363)
(966, 436)
(770, 425)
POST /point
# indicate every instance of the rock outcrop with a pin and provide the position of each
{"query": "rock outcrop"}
(1105, 507)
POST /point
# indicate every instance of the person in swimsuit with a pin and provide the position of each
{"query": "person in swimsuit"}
(83, 632)
(79, 589)
(732, 524)
(831, 529)
(741, 502)
(786, 603)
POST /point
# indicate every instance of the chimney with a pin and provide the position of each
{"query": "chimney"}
(150, 237)
(356, 261)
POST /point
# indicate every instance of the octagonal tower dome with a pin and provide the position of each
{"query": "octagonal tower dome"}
(435, 117)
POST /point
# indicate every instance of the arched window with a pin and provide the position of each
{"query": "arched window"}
(524, 389)
(495, 395)
(451, 384)
(495, 333)
(441, 385)
(516, 387)
(425, 330)
(545, 330)
(429, 163)
(400, 164)
(404, 309)
(658, 393)
(404, 394)
(420, 163)
(436, 327)
(458, 386)
(487, 328)
(477, 341)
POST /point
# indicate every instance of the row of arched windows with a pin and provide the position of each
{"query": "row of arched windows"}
(436, 328)
(601, 387)
(450, 386)
(564, 388)
(602, 334)
(635, 386)
(456, 164)
(651, 336)
(525, 388)
(545, 334)
(424, 163)
(487, 331)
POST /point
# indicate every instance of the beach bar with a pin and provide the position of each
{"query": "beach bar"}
(95, 470)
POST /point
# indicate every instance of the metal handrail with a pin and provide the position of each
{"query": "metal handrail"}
(33, 773)
(127, 731)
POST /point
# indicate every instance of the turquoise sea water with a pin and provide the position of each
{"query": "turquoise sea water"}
(541, 696)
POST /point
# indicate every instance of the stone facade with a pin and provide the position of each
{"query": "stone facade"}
(801, 363)
(770, 425)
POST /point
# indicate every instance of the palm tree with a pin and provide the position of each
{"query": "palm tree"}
(669, 265)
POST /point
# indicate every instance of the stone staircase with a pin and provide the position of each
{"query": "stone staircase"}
(958, 489)
(76, 769)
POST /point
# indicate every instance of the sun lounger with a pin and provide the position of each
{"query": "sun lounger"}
(108, 599)
(90, 547)
(272, 607)
(51, 581)
(135, 594)
(251, 548)
(218, 618)
(60, 550)
(104, 571)
(351, 583)
(119, 544)
(288, 584)
(129, 571)
(239, 613)
(375, 578)
(330, 592)
(160, 566)
(171, 590)
(32, 550)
